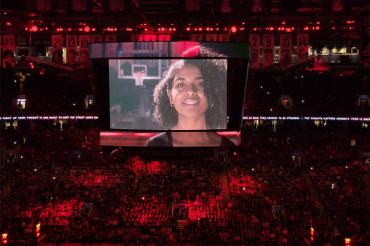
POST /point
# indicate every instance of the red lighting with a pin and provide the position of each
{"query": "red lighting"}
(111, 29)
(34, 28)
(283, 22)
(188, 29)
(233, 29)
(38, 230)
(312, 231)
(8, 23)
(4, 238)
(306, 28)
(347, 241)
(86, 29)
(288, 29)
(350, 22)
(229, 134)
(129, 29)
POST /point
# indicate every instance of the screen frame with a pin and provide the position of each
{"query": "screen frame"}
(237, 56)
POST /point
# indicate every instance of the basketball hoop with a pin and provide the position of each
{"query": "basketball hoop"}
(139, 78)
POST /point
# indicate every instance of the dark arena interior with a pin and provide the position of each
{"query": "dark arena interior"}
(260, 137)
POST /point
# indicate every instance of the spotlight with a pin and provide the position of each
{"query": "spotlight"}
(86, 29)
(34, 28)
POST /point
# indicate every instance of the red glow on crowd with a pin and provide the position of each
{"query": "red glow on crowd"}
(243, 184)
(207, 206)
(147, 212)
(94, 178)
(60, 213)
(55, 213)
(139, 167)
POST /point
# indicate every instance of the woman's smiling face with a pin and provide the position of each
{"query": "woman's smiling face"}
(188, 92)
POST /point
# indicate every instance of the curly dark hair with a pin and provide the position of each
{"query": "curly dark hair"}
(214, 72)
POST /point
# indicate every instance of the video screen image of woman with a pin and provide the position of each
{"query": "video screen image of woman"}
(168, 94)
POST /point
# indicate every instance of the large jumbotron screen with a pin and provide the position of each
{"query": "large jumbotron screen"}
(171, 94)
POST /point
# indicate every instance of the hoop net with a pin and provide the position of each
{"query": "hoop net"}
(139, 78)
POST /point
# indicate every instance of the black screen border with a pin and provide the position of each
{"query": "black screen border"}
(237, 55)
